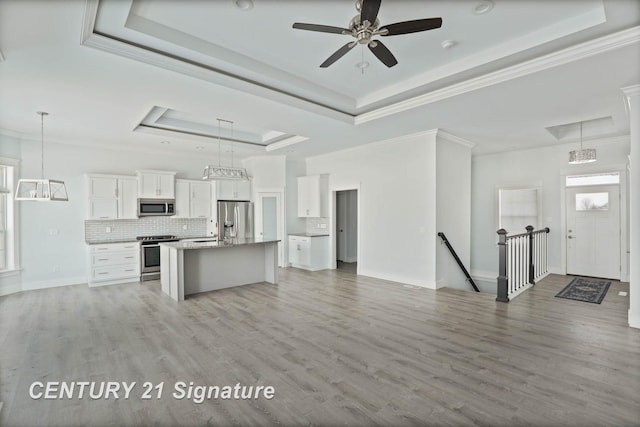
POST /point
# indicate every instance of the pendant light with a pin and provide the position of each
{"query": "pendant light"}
(586, 155)
(224, 173)
(41, 190)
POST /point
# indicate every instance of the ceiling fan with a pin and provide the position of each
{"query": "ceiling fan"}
(365, 26)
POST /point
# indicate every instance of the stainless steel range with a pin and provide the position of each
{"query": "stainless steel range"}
(150, 255)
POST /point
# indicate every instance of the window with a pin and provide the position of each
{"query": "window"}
(592, 201)
(8, 238)
(518, 208)
(598, 179)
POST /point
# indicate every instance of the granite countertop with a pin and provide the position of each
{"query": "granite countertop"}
(104, 242)
(309, 234)
(212, 244)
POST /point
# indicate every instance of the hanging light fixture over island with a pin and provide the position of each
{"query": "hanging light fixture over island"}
(41, 190)
(225, 173)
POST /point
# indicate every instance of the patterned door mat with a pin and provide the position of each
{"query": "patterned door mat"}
(587, 290)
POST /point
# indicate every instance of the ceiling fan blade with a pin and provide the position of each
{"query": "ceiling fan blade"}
(415, 26)
(338, 54)
(382, 53)
(321, 28)
(369, 11)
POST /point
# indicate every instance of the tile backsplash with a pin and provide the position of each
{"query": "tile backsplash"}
(123, 229)
(314, 225)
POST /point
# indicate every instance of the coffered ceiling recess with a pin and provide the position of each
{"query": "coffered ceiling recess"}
(258, 51)
(169, 122)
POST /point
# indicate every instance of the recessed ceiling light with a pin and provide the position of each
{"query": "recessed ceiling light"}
(199, 147)
(448, 44)
(165, 142)
(484, 6)
(362, 65)
(244, 4)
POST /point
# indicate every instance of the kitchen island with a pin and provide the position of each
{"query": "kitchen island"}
(191, 267)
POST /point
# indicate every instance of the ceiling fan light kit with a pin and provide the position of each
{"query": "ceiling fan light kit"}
(365, 26)
(41, 189)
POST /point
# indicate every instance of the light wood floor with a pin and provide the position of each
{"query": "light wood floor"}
(338, 348)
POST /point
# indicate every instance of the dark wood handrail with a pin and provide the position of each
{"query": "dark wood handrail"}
(455, 256)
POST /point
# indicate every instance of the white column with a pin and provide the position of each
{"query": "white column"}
(633, 95)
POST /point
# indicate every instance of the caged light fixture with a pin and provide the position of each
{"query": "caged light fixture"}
(224, 173)
(41, 190)
(583, 155)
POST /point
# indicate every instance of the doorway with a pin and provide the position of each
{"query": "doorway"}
(593, 231)
(269, 220)
(347, 231)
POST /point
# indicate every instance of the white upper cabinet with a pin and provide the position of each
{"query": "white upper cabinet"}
(200, 199)
(112, 197)
(233, 190)
(312, 196)
(103, 187)
(193, 199)
(127, 198)
(156, 184)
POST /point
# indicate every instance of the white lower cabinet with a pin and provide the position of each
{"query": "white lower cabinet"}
(113, 263)
(309, 252)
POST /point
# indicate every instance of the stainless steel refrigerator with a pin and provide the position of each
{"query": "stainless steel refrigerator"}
(235, 220)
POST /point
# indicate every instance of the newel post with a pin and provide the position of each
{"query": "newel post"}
(532, 272)
(503, 280)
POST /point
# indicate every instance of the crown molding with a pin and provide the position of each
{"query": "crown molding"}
(455, 139)
(555, 59)
(630, 91)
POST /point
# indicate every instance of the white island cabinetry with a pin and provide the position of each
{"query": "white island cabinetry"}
(191, 267)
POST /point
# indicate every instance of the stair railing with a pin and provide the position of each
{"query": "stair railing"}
(457, 258)
(522, 261)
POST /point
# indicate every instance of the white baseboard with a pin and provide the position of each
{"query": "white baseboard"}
(53, 283)
(9, 288)
(397, 278)
(634, 319)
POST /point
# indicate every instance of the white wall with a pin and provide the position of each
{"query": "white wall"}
(53, 251)
(453, 209)
(544, 168)
(397, 214)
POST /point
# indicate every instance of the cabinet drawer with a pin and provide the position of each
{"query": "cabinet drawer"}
(115, 272)
(109, 258)
(115, 247)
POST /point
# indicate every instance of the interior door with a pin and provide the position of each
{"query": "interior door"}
(341, 225)
(269, 221)
(593, 231)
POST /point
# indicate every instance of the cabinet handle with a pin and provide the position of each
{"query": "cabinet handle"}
(116, 191)
(103, 249)
(307, 211)
(104, 217)
(103, 273)
(103, 259)
(130, 270)
(128, 257)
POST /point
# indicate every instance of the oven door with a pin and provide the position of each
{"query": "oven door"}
(150, 259)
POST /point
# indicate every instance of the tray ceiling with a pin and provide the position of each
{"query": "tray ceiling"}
(258, 51)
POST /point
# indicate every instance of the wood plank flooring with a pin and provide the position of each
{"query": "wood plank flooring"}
(338, 348)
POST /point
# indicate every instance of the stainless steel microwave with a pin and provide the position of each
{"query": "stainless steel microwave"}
(156, 207)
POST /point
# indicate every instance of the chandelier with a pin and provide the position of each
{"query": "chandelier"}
(583, 155)
(41, 190)
(225, 173)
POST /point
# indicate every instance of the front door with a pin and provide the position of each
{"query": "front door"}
(593, 231)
